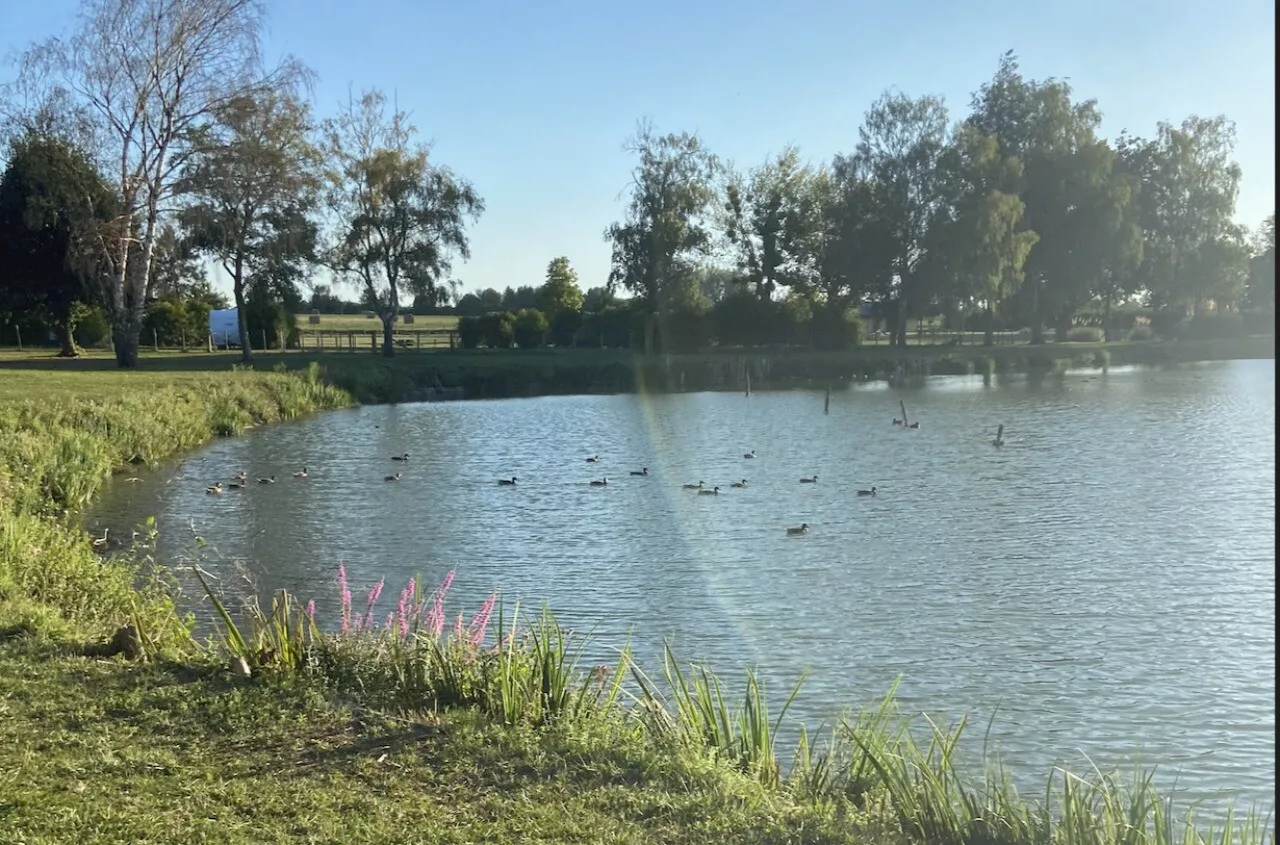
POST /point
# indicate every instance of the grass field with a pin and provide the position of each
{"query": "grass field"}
(357, 322)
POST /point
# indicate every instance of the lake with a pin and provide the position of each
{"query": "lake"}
(1104, 584)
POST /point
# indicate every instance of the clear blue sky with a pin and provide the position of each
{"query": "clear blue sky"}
(532, 101)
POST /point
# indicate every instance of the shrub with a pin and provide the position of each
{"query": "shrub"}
(274, 318)
(1084, 334)
(470, 331)
(564, 327)
(746, 320)
(1210, 326)
(530, 328)
(683, 331)
(170, 321)
(93, 329)
(1141, 333)
(835, 329)
(499, 330)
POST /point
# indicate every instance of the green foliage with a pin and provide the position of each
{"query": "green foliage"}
(742, 319)
(400, 218)
(1141, 333)
(470, 331)
(169, 322)
(560, 292)
(564, 328)
(530, 328)
(499, 330)
(53, 204)
(92, 328)
(264, 314)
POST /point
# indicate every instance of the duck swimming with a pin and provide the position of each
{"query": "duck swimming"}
(813, 480)
(644, 471)
(795, 532)
(214, 490)
(594, 459)
(739, 484)
(403, 457)
(395, 477)
(714, 491)
(750, 455)
(269, 480)
(697, 486)
(604, 482)
(507, 482)
(870, 492)
(302, 473)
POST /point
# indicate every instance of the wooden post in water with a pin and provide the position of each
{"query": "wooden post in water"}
(826, 403)
(999, 441)
(903, 406)
(748, 366)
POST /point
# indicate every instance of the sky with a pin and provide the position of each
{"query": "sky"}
(533, 102)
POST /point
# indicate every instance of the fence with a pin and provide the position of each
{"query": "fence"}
(358, 340)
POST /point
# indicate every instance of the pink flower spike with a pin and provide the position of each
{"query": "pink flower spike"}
(311, 609)
(480, 622)
(391, 621)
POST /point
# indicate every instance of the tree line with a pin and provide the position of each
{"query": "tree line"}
(131, 159)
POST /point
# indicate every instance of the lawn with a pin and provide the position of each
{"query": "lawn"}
(104, 752)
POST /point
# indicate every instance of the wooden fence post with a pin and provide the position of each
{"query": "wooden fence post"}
(18, 331)
(155, 339)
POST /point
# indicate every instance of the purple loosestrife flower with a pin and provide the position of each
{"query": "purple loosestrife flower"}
(374, 592)
(311, 609)
(480, 622)
(406, 602)
(391, 621)
(458, 632)
(344, 594)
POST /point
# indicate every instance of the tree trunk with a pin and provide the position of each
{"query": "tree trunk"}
(388, 336)
(242, 317)
(1106, 319)
(1037, 323)
(125, 339)
(68, 342)
(1062, 327)
(989, 336)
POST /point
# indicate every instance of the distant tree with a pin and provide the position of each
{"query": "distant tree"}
(140, 76)
(1189, 184)
(470, 305)
(654, 247)
(530, 328)
(768, 218)
(398, 219)
(515, 299)
(1219, 270)
(254, 180)
(325, 301)
(901, 146)
(560, 292)
(1260, 293)
(52, 202)
(597, 299)
(490, 300)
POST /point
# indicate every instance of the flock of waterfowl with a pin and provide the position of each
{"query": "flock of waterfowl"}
(241, 479)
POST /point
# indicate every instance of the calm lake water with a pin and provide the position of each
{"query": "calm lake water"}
(1104, 584)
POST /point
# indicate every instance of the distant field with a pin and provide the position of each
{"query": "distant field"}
(356, 322)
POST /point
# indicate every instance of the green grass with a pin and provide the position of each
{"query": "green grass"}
(101, 752)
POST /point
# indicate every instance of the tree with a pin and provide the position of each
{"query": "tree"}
(1190, 184)
(768, 217)
(1260, 293)
(980, 247)
(560, 292)
(176, 270)
(254, 180)
(1054, 137)
(51, 202)
(1218, 271)
(398, 219)
(672, 187)
(902, 142)
(141, 75)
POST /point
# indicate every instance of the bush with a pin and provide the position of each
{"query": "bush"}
(499, 330)
(170, 321)
(683, 331)
(1141, 333)
(530, 328)
(1084, 334)
(470, 331)
(612, 328)
(564, 327)
(835, 330)
(93, 328)
(746, 320)
(274, 318)
(1210, 326)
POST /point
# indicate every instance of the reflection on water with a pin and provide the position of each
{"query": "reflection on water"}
(1105, 580)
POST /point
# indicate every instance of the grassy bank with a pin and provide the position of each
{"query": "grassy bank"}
(393, 723)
